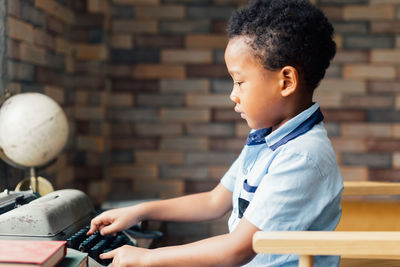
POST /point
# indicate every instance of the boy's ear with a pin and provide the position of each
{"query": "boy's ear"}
(289, 80)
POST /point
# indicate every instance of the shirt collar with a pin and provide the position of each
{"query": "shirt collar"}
(288, 131)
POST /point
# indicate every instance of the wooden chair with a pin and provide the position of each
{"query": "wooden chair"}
(368, 230)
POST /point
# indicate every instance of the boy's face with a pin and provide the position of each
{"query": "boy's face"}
(256, 91)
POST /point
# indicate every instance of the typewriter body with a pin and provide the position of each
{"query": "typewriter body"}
(60, 215)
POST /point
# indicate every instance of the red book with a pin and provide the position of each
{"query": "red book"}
(31, 253)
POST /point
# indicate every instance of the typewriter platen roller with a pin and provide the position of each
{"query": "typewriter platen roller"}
(59, 215)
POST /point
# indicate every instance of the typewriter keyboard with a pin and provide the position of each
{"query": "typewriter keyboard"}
(96, 244)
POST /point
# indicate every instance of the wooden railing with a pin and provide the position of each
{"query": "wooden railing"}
(369, 229)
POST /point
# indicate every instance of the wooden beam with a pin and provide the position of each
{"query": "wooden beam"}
(357, 188)
(355, 244)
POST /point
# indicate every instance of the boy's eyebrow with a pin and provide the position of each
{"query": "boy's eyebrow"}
(234, 72)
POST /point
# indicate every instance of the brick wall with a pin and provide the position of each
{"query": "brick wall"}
(59, 48)
(146, 90)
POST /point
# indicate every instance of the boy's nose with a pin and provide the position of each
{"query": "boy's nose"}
(234, 97)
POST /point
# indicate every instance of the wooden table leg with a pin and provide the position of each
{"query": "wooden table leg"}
(306, 261)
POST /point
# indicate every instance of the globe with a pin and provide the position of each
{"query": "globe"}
(33, 129)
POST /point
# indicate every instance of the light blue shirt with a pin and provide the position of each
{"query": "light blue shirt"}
(290, 181)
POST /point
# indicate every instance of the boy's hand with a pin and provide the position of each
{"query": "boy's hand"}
(112, 221)
(125, 256)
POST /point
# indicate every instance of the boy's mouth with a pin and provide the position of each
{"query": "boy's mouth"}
(242, 114)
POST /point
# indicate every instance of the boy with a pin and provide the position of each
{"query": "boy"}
(286, 177)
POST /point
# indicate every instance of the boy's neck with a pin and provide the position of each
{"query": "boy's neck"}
(294, 107)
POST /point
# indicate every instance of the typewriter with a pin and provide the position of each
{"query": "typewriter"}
(59, 215)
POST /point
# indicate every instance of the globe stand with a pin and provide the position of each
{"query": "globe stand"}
(35, 183)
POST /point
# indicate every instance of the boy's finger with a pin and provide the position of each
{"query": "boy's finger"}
(94, 225)
(108, 229)
(92, 229)
(108, 255)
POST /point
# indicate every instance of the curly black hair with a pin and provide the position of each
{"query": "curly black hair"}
(287, 33)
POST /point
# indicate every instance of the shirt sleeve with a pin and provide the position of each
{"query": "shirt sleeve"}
(229, 178)
(290, 196)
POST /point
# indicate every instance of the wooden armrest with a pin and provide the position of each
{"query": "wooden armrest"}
(370, 188)
(352, 244)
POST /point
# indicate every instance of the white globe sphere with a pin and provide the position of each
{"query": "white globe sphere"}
(33, 129)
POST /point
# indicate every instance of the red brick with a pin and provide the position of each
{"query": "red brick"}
(134, 26)
(123, 41)
(136, 2)
(382, 130)
(33, 54)
(135, 85)
(55, 25)
(362, 101)
(369, 12)
(134, 171)
(42, 38)
(369, 72)
(161, 189)
(396, 160)
(344, 115)
(54, 8)
(152, 71)
(227, 144)
(206, 41)
(219, 26)
(333, 12)
(98, 191)
(184, 173)
(184, 86)
(208, 157)
(210, 129)
(124, 71)
(207, 70)
(184, 144)
(225, 115)
(353, 56)
(120, 100)
(19, 30)
(14, 8)
(208, 100)
(218, 171)
(158, 41)
(385, 56)
(385, 27)
(91, 51)
(86, 112)
(349, 144)
(64, 47)
(199, 186)
(13, 49)
(65, 177)
(134, 143)
(185, 115)
(186, 56)
(91, 143)
(383, 145)
(350, 173)
(98, 6)
(87, 174)
(56, 93)
(160, 12)
(159, 157)
(384, 87)
(157, 129)
(384, 175)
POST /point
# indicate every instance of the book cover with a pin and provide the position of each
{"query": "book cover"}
(31, 253)
(74, 258)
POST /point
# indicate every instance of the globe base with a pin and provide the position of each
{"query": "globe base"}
(37, 184)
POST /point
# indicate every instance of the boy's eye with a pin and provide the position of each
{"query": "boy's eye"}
(238, 83)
